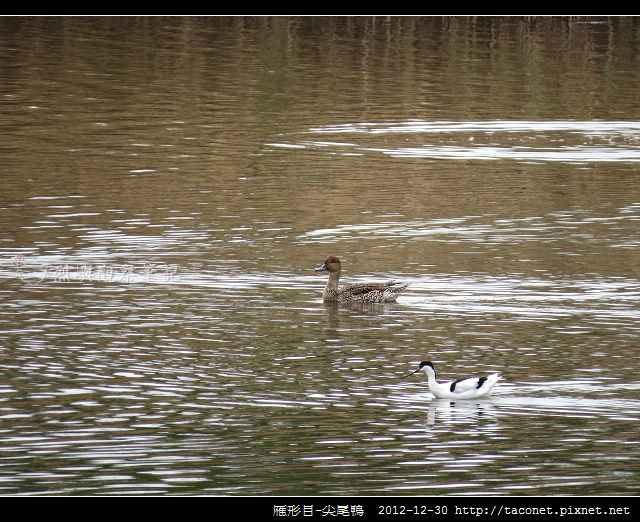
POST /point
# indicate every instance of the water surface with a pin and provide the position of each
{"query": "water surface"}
(170, 183)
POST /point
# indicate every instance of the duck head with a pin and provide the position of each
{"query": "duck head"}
(332, 264)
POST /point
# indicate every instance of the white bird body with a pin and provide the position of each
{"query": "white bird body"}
(468, 388)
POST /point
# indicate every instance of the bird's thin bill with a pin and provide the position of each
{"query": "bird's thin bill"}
(410, 374)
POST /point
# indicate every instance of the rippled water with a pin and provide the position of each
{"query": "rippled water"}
(163, 330)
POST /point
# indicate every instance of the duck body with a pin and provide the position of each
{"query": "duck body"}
(357, 292)
(467, 388)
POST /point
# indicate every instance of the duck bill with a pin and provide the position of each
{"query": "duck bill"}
(322, 268)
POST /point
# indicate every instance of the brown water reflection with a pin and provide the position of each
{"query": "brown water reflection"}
(170, 183)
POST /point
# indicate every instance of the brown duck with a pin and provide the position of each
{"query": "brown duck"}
(357, 292)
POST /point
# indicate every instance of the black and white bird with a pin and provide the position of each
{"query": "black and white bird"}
(467, 388)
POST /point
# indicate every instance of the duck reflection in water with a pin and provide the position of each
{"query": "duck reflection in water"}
(448, 412)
